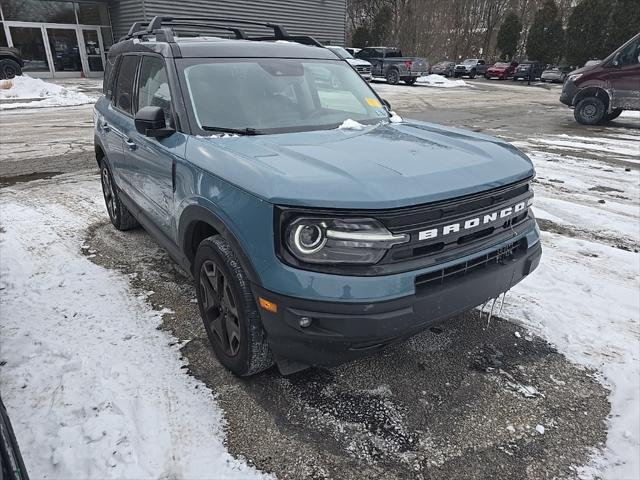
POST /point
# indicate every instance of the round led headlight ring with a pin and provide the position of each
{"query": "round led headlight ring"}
(309, 239)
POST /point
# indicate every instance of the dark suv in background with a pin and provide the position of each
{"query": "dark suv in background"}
(528, 70)
(599, 93)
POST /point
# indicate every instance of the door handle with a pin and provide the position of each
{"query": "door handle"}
(131, 144)
(105, 127)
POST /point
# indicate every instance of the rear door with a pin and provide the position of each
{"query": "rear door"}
(151, 161)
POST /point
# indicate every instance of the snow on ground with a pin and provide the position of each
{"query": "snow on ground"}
(93, 389)
(440, 81)
(584, 296)
(622, 145)
(27, 92)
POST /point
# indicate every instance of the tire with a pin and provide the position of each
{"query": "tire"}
(9, 68)
(120, 216)
(472, 74)
(393, 77)
(410, 81)
(228, 309)
(615, 113)
(487, 77)
(589, 111)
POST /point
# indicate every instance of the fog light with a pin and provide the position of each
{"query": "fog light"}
(305, 322)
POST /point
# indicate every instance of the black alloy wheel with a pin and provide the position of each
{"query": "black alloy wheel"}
(393, 77)
(119, 215)
(220, 311)
(108, 192)
(9, 69)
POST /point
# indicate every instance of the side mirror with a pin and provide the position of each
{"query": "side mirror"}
(386, 104)
(150, 122)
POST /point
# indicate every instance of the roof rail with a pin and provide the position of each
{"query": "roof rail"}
(163, 25)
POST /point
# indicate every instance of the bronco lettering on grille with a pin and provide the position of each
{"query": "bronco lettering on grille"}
(471, 223)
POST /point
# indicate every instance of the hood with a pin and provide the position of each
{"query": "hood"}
(582, 70)
(382, 166)
(356, 62)
(498, 69)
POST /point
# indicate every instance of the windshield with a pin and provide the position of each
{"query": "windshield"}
(501, 65)
(470, 61)
(272, 95)
(341, 51)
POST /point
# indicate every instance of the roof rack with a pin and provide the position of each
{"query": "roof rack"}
(163, 26)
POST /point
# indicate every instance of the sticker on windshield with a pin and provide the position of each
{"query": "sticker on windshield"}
(373, 102)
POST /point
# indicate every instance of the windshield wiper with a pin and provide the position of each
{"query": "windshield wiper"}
(238, 131)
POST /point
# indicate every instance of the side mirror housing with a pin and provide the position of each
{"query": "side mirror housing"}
(150, 122)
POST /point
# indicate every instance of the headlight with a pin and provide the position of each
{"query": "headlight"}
(343, 241)
(574, 77)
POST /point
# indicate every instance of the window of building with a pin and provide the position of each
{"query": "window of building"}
(39, 11)
(153, 86)
(124, 83)
(93, 14)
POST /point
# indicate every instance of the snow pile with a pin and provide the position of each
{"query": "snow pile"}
(349, 124)
(584, 296)
(93, 389)
(395, 118)
(440, 81)
(37, 93)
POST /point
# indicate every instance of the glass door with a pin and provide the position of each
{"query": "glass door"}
(93, 51)
(65, 51)
(31, 44)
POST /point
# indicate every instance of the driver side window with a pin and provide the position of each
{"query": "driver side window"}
(153, 86)
(630, 55)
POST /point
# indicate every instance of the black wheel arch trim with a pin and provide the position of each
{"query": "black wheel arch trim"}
(194, 214)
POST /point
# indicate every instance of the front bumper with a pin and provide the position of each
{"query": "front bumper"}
(342, 331)
(569, 91)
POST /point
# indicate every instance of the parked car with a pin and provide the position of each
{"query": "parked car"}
(311, 242)
(501, 70)
(362, 66)
(555, 73)
(388, 63)
(470, 68)
(445, 68)
(352, 50)
(11, 62)
(528, 70)
(601, 92)
(591, 63)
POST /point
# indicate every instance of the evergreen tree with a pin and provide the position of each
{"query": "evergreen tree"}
(360, 37)
(623, 23)
(509, 36)
(544, 42)
(586, 32)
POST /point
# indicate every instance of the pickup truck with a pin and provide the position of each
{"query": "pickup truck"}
(388, 63)
(318, 226)
(470, 68)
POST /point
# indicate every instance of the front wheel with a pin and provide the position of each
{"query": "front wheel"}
(472, 74)
(228, 309)
(589, 111)
(410, 81)
(393, 77)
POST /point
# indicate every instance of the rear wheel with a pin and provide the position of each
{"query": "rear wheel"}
(228, 309)
(410, 81)
(119, 215)
(615, 113)
(589, 111)
(9, 68)
(393, 77)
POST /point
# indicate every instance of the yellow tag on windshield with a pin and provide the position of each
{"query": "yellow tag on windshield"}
(373, 102)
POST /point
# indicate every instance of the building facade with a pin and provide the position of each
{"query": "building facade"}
(70, 38)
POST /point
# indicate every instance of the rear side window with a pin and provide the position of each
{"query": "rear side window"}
(124, 83)
(153, 86)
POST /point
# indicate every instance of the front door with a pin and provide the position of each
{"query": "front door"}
(65, 51)
(623, 77)
(149, 161)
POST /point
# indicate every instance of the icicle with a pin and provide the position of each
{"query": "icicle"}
(491, 311)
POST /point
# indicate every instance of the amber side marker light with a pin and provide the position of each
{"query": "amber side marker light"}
(268, 306)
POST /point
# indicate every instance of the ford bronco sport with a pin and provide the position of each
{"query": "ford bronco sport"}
(309, 243)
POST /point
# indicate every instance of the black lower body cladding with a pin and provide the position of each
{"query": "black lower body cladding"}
(339, 332)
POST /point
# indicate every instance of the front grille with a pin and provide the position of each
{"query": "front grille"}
(363, 69)
(493, 259)
(471, 223)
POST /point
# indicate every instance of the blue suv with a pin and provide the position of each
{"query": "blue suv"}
(318, 227)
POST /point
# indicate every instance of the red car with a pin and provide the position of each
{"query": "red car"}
(501, 70)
